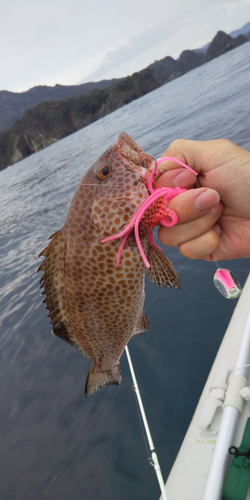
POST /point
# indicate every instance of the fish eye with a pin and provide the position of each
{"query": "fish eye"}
(104, 171)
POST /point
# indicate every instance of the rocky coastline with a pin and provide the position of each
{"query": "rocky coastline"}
(53, 119)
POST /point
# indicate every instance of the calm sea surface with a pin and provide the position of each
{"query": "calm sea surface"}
(54, 443)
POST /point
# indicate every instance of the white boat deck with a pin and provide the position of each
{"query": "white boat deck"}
(188, 476)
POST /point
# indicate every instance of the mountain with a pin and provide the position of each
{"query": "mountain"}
(14, 104)
(51, 120)
(168, 68)
(245, 30)
(222, 43)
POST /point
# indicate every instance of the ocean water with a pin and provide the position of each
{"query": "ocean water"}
(56, 444)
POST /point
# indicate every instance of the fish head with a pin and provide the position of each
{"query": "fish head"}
(120, 178)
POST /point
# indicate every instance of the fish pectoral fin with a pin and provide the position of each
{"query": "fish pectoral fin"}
(161, 271)
(142, 325)
(97, 379)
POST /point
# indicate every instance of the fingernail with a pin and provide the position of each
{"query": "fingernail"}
(217, 228)
(217, 211)
(207, 200)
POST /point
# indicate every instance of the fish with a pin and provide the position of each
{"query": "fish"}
(95, 300)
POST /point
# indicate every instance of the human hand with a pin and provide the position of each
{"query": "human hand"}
(208, 228)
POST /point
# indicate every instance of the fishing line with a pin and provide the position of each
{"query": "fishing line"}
(103, 185)
(142, 428)
(154, 458)
(143, 432)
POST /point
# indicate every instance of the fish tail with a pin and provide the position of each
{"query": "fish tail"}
(97, 379)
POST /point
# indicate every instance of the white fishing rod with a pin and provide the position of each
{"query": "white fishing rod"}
(154, 457)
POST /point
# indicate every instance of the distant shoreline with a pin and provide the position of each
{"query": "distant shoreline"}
(55, 118)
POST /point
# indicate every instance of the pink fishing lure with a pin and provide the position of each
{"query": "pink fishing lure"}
(169, 220)
(227, 283)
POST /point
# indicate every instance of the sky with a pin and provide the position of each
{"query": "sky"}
(69, 42)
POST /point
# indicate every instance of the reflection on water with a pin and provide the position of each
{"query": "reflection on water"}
(54, 443)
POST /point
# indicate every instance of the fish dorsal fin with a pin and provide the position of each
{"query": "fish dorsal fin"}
(52, 282)
(161, 270)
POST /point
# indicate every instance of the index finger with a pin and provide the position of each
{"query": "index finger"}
(177, 177)
(196, 154)
(175, 160)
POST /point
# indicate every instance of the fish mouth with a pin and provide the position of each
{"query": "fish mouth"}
(136, 159)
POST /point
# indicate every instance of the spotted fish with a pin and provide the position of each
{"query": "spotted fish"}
(94, 304)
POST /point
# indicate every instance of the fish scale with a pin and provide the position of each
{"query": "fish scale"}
(154, 213)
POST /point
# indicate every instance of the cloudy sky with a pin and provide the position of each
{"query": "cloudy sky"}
(74, 41)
